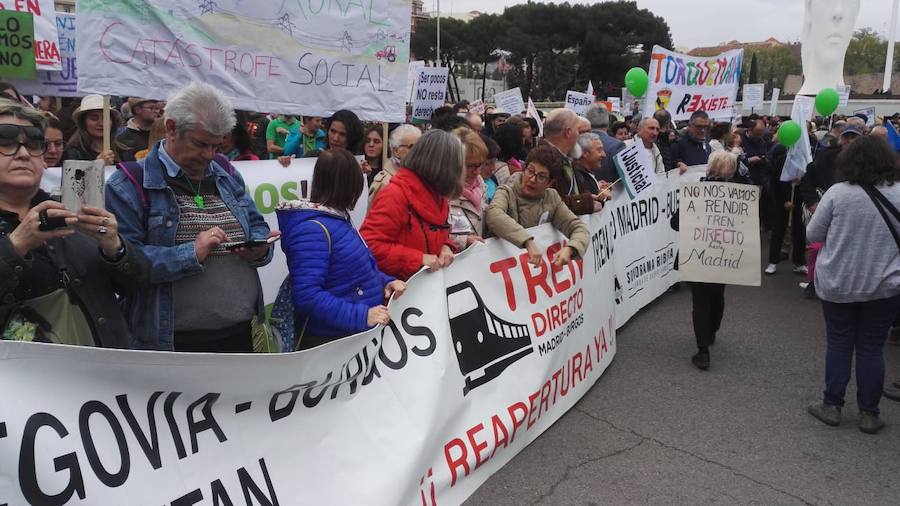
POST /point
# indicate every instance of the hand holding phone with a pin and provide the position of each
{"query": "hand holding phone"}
(252, 244)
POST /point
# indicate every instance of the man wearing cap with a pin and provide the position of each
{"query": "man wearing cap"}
(137, 132)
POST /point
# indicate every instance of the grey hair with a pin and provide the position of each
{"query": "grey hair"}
(722, 164)
(644, 121)
(438, 160)
(400, 132)
(586, 140)
(18, 111)
(597, 115)
(201, 106)
(557, 121)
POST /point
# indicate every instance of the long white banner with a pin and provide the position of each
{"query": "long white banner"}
(478, 361)
(309, 58)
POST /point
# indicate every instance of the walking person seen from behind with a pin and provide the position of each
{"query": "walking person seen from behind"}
(858, 276)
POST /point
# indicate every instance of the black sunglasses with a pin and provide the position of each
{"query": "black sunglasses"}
(33, 140)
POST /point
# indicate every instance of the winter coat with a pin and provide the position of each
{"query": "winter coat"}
(466, 219)
(406, 222)
(381, 180)
(333, 285)
(511, 213)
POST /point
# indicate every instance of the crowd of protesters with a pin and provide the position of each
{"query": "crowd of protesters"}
(172, 262)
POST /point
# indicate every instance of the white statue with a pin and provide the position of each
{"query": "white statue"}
(827, 29)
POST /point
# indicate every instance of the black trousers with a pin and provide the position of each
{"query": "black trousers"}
(798, 232)
(233, 339)
(708, 307)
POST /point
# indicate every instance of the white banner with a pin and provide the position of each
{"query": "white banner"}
(510, 101)
(684, 84)
(776, 94)
(578, 102)
(56, 83)
(753, 95)
(283, 57)
(478, 361)
(636, 168)
(719, 233)
(46, 39)
(431, 91)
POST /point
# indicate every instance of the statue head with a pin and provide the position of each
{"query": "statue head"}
(827, 29)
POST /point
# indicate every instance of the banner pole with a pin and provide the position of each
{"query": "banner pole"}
(384, 144)
(107, 124)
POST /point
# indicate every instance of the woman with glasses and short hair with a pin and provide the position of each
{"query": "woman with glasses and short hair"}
(467, 210)
(531, 201)
(60, 271)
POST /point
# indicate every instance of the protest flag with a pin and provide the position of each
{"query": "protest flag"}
(893, 137)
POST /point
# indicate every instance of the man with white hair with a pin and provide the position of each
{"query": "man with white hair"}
(598, 116)
(561, 132)
(647, 133)
(401, 140)
(186, 208)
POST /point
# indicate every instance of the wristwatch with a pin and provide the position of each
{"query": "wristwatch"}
(118, 256)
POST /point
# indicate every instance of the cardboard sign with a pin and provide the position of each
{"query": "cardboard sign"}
(56, 83)
(477, 107)
(44, 36)
(636, 169)
(844, 94)
(753, 95)
(16, 44)
(510, 101)
(718, 237)
(431, 91)
(83, 184)
(776, 94)
(683, 84)
(578, 102)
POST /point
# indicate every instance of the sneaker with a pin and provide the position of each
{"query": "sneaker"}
(770, 269)
(892, 392)
(701, 360)
(800, 269)
(827, 414)
(803, 285)
(870, 423)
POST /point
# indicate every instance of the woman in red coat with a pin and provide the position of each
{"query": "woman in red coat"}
(406, 228)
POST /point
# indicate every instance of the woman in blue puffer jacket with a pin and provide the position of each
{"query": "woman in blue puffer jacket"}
(337, 287)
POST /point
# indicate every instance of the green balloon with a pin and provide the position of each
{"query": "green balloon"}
(636, 81)
(827, 101)
(789, 133)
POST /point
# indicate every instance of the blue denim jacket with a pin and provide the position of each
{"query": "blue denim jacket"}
(150, 313)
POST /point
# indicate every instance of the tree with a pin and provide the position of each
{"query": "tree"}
(753, 76)
(453, 34)
(866, 53)
(483, 37)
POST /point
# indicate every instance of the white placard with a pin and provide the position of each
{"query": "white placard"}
(870, 115)
(844, 94)
(411, 77)
(510, 101)
(279, 57)
(477, 107)
(616, 104)
(431, 91)
(578, 102)
(776, 94)
(636, 169)
(718, 238)
(754, 94)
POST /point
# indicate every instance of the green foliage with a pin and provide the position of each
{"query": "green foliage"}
(866, 53)
(552, 47)
(774, 65)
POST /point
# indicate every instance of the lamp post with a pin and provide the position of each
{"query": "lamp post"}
(889, 58)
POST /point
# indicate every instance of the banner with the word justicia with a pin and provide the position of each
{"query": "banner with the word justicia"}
(478, 360)
(683, 84)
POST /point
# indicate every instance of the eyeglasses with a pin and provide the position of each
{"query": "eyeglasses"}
(539, 177)
(10, 143)
(477, 165)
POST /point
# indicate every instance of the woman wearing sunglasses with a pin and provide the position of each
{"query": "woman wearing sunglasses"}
(59, 271)
(530, 201)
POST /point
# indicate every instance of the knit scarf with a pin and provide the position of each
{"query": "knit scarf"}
(473, 193)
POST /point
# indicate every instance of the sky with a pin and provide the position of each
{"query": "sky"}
(695, 23)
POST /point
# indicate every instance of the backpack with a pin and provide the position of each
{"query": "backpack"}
(135, 173)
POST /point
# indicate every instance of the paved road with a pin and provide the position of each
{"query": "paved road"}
(655, 430)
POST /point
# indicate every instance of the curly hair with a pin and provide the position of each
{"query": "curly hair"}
(549, 157)
(868, 161)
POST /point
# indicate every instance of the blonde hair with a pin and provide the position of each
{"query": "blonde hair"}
(722, 165)
(475, 147)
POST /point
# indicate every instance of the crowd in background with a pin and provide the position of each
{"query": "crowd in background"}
(171, 262)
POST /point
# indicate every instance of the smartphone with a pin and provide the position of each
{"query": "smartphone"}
(83, 183)
(251, 244)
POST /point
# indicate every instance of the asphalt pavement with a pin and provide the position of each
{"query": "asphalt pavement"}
(655, 430)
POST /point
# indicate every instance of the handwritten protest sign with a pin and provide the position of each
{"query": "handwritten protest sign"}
(718, 237)
(776, 94)
(46, 48)
(636, 169)
(510, 101)
(56, 83)
(753, 95)
(578, 102)
(843, 94)
(431, 91)
(477, 107)
(869, 112)
(310, 58)
(683, 84)
(16, 44)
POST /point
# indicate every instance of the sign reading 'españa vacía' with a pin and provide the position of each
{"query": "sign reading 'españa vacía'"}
(310, 57)
(683, 84)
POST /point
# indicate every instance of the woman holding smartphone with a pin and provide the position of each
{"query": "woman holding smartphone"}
(59, 271)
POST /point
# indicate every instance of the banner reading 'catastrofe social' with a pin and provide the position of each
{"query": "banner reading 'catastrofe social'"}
(683, 84)
(478, 361)
(284, 57)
